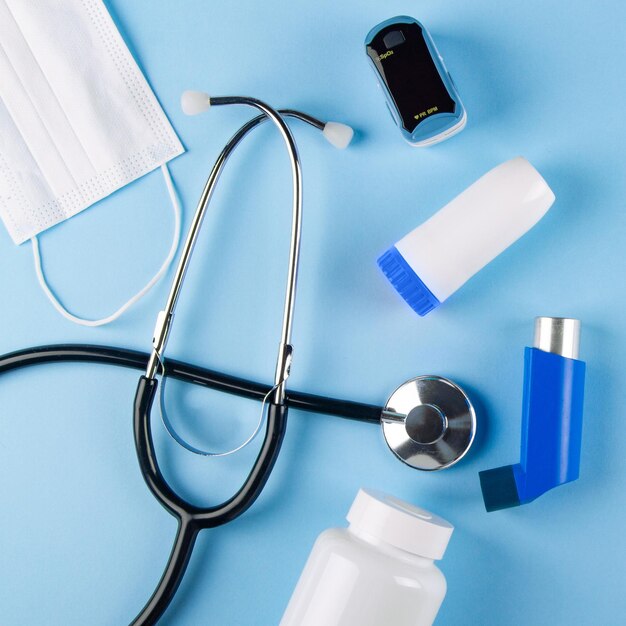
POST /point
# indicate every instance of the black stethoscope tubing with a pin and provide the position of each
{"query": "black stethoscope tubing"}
(187, 373)
(191, 518)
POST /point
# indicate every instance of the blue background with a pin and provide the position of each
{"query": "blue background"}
(81, 539)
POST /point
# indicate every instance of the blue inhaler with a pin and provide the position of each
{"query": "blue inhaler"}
(421, 96)
(552, 416)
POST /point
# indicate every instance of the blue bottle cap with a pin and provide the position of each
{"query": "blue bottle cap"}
(406, 282)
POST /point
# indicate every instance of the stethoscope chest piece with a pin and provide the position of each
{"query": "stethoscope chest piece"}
(429, 423)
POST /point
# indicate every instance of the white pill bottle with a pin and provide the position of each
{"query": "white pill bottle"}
(379, 571)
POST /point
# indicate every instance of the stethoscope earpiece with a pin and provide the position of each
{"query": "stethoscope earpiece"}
(429, 423)
(194, 102)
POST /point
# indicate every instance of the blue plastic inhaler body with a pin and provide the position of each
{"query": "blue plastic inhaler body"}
(552, 415)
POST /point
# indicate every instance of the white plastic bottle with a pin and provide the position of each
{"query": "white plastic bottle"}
(379, 571)
(430, 263)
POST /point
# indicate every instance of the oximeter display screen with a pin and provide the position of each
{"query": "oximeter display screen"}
(393, 39)
(404, 61)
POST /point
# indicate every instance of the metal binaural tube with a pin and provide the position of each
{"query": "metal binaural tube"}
(559, 335)
(164, 321)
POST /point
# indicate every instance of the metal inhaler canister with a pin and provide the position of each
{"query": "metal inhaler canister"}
(552, 416)
(428, 265)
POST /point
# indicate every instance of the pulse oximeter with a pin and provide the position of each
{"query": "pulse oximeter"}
(421, 96)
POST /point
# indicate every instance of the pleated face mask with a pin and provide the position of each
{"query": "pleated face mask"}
(77, 119)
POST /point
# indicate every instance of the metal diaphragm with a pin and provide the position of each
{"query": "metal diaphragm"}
(429, 423)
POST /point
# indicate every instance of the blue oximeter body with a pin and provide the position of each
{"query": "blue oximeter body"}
(421, 96)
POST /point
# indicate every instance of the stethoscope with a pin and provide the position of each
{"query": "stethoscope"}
(428, 422)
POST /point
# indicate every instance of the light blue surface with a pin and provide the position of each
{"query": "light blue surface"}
(81, 539)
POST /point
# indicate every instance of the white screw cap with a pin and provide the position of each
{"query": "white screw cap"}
(400, 524)
(339, 135)
(194, 102)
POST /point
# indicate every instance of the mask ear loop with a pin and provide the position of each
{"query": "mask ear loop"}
(185, 444)
(43, 282)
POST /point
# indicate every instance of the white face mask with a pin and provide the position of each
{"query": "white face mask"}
(77, 118)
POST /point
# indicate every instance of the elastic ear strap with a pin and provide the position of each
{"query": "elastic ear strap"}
(140, 294)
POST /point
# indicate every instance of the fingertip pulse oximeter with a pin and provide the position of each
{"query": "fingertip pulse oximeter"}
(421, 96)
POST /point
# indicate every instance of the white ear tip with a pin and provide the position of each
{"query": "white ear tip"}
(339, 135)
(194, 102)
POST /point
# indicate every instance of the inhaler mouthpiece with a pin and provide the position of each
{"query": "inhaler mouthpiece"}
(194, 102)
(339, 135)
(428, 265)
